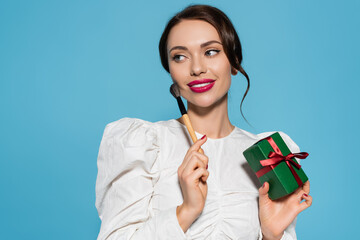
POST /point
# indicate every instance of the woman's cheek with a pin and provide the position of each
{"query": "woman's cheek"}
(177, 75)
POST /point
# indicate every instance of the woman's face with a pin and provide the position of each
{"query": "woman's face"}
(198, 63)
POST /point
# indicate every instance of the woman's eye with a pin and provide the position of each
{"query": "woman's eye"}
(178, 58)
(211, 52)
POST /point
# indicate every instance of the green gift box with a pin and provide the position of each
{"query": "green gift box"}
(272, 162)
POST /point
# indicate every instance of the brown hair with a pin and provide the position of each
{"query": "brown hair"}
(225, 29)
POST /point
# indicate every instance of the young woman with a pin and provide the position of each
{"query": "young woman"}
(152, 181)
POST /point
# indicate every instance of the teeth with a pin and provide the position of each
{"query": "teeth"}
(201, 85)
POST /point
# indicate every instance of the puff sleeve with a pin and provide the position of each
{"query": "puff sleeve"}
(127, 172)
(289, 233)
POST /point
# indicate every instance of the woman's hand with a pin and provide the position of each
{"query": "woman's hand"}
(276, 216)
(192, 175)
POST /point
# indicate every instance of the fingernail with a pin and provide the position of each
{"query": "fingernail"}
(263, 185)
(203, 137)
(305, 195)
(207, 166)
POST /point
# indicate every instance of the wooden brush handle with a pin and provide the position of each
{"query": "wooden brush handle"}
(190, 129)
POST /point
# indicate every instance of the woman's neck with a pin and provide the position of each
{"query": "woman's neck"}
(212, 121)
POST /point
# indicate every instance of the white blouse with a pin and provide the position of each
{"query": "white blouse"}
(137, 188)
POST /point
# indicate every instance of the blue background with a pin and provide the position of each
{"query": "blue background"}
(67, 68)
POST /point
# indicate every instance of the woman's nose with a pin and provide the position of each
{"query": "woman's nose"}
(197, 66)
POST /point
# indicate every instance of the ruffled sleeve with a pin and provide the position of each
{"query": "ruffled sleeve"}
(127, 172)
(289, 233)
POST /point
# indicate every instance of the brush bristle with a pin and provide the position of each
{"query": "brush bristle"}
(174, 89)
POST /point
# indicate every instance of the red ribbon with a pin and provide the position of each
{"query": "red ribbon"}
(275, 158)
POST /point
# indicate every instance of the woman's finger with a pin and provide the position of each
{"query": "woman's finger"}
(199, 173)
(307, 203)
(191, 152)
(197, 145)
(193, 155)
(202, 157)
(192, 165)
(263, 193)
(306, 187)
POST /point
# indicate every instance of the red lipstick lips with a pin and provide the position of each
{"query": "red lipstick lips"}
(201, 85)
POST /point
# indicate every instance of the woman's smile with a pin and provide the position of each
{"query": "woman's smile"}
(201, 85)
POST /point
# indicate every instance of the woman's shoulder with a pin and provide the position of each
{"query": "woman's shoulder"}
(123, 124)
(253, 137)
(137, 127)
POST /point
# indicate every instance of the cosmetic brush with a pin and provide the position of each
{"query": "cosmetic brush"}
(174, 90)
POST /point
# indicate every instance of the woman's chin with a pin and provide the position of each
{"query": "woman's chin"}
(207, 101)
(204, 103)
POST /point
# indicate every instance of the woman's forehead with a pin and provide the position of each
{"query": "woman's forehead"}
(192, 32)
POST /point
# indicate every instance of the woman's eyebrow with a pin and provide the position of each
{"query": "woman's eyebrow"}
(178, 47)
(209, 43)
(205, 44)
